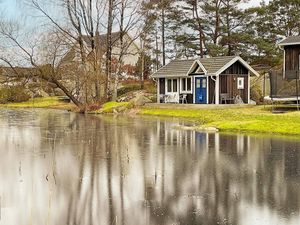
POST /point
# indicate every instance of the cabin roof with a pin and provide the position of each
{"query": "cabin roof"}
(214, 64)
(211, 66)
(292, 40)
(176, 68)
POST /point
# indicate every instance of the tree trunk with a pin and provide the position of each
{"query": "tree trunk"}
(200, 29)
(217, 22)
(65, 90)
(163, 35)
(156, 53)
(109, 49)
(143, 67)
(122, 51)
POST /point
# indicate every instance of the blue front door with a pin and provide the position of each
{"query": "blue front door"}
(200, 90)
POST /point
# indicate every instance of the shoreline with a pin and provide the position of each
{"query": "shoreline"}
(254, 119)
(248, 119)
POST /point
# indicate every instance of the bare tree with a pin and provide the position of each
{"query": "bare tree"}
(80, 28)
(128, 22)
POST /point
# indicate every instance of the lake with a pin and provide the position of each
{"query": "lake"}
(61, 168)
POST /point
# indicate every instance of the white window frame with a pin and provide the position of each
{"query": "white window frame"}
(181, 86)
(172, 85)
(242, 85)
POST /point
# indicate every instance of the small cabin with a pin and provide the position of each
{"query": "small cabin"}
(284, 84)
(216, 80)
(291, 62)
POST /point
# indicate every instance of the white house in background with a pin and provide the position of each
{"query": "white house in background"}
(217, 80)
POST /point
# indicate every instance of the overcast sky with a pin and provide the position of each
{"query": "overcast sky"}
(10, 9)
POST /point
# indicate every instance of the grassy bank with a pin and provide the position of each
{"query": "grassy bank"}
(250, 119)
(48, 102)
(109, 107)
(255, 119)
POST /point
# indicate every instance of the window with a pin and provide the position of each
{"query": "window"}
(172, 85)
(241, 83)
(198, 85)
(169, 85)
(186, 84)
(183, 84)
(204, 83)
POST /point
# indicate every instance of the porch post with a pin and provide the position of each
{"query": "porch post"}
(249, 86)
(207, 90)
(217, 90)
(158, 87)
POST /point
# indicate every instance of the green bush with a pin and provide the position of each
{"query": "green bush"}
(13, 94)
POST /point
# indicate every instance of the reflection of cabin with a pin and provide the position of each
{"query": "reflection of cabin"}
(285, 83)
(218, 80)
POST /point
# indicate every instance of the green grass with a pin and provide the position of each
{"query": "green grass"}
(110, 106)
(47, 102)
(250, 119)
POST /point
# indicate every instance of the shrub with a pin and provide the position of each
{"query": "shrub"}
(256, 94)
(4, 95)
(13, 94)
(129, 88)
(94, 107)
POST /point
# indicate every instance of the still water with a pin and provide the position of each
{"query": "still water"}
(59, 168)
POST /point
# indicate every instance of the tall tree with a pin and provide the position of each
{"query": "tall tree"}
(232, 19)
(110, 19)
(196, 22)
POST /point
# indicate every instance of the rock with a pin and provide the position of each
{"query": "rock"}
(180, 127)
(195, 128)
(252, 102)
(43, 93)
(208, 129)
(37, 93)
(140, 100)
(134, 94)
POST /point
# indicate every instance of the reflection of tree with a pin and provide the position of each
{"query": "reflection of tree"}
(139, 171)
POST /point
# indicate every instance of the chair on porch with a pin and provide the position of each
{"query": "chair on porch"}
(172, 98)
(162, 98)
(183, 98)
(225, 97)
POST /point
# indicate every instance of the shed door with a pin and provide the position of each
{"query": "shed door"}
(200, 89)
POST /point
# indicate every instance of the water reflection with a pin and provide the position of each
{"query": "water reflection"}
(62, 168)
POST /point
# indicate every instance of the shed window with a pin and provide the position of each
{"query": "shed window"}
(172, 85)
(241, 83)
(186, 84)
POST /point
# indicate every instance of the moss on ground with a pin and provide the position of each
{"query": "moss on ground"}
(109, 107)
(47, 102)
(248, 119)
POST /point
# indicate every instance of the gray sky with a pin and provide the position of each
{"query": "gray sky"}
(256, 2)
(10, 9)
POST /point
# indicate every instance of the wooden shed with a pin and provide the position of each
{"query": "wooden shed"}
(285, 83)
(291, 47)
(217, 80)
